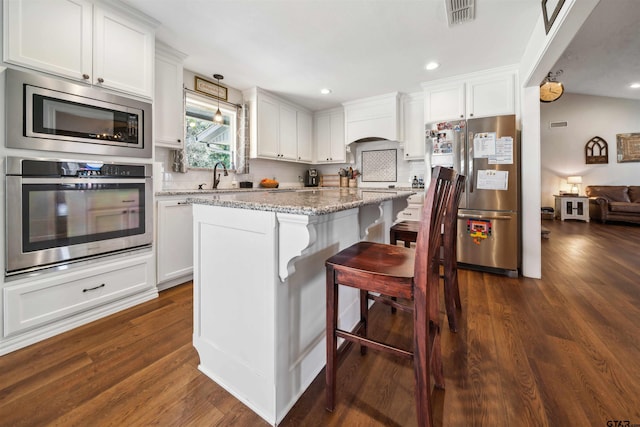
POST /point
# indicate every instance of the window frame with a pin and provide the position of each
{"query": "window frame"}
(227, 110)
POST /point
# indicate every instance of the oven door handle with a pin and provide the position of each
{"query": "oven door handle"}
(66, 181)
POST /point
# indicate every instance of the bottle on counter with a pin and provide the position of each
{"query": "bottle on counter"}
(415, 183)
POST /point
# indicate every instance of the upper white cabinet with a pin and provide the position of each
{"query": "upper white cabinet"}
(169, 98)
(444, 102)
(375, 117)
(492, 95)
(288, 132)
(413, 126)
(305, 136)
(485, 94)
(329, 136)
(279, 129)
(80, 40)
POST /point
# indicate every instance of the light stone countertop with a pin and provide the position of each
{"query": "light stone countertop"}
(307, 201)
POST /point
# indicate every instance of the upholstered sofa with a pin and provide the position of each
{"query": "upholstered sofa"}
(614, 202)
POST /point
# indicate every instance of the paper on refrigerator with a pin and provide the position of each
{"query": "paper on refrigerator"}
(503, 152)
(493, 180)
(484, 145)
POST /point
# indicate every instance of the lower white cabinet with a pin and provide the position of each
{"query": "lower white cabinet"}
(174, 243)
(40, 306)
(413, 211)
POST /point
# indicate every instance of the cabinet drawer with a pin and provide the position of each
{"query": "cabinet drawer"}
(416, 199)
(411, 213)
(29, 305)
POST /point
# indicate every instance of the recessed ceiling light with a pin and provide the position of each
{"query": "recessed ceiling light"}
(635, 86)
(325, 91)
(432, 66)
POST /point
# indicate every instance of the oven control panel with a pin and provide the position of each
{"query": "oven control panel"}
(55, 168)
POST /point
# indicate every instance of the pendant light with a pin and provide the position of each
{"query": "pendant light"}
(218, 116)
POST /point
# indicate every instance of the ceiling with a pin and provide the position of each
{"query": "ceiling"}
(361, 48)
(604, 57)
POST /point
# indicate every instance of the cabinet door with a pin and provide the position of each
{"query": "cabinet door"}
(268, 127)
(491, 96)
(444, 102)
(168, 103)
(413, 122)
(175, 240)
(53, 36)
(288, 133)
(337, 138)
(123, 54)
(323, 138)
(305, 139)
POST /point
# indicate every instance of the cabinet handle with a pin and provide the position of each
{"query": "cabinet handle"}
(462, 116)
(179, 140)
(471, 114)
(94, 288)
(85, 76)
(100, 80)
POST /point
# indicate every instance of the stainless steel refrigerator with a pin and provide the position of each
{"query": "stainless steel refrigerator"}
(487, 152)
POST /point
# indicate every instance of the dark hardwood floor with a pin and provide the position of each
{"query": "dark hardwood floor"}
(561, 351)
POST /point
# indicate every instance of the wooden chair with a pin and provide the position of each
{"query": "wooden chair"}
(395, 271)
(407, 231)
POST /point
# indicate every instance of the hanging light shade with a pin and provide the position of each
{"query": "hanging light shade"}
(218, 116)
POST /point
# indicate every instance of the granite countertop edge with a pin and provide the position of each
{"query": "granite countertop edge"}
(283, 207)
(188, 192)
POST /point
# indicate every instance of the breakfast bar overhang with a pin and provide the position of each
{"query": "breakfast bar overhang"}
(259, 284)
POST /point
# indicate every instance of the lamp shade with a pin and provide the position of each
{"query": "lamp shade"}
(574, 180)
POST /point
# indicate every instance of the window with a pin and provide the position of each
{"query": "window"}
(208, 142)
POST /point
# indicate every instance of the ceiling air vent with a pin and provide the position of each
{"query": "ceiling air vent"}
(558, 124)
(460, 11)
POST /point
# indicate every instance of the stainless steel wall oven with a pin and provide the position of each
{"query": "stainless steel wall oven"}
(49, 114)
(61, 211)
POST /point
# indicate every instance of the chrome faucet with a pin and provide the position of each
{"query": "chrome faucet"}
(216, 178)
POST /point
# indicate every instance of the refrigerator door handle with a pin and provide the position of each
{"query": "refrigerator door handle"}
(470, 176)
(485, 216)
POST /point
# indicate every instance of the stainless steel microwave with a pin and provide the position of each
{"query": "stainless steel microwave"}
(44, 113)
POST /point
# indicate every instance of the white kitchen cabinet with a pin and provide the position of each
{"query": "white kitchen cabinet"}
(174, 243)
(305, 136)
(268, 144)
(377, 117)
(329, 136)
(413, 126)
(83, 41)
(169, 98)
(485, 94)
(444, 102)
(288, 144)
(279, 129)
(39, 306)
(413, 211)
(492, 95)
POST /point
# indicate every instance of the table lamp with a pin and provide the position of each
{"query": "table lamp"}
(574, 180)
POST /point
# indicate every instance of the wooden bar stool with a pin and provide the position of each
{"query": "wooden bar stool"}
(394, 271)
(407, 231)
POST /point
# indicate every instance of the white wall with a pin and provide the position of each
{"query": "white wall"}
(563, 149)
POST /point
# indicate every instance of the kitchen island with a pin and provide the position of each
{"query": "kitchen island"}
(259, 284)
